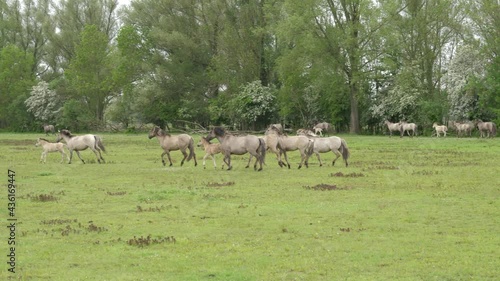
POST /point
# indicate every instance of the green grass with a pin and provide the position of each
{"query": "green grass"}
(404, 209)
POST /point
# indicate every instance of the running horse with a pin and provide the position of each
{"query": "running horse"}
(239, 145)
(79, 143)
(169, 143)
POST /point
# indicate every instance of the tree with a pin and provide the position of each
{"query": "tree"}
(15, 80)
(253, 105)
(90, 72)
(43, 102)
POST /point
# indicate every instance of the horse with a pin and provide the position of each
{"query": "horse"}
(407, 127)
(463, 128)
(79, 143)
(239, 145)
(322, 127)
(172, 143)
(440, 129)
(306, 132)
(49, 129)
(210, 150)
(489, 127)
(50, 147)
(301, 143)
(392, 127)
(334, 144)
(271, 140)
(277, 126)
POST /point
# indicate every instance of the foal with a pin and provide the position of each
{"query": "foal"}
(210, 150)
(50, 147)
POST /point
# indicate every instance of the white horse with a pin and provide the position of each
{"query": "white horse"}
(79, 143)
(50, 147)
(408, 127)
(322, 127)
(440, 129)
(392, 127)
(335, 144)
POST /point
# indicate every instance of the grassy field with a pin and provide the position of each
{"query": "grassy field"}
(404, 209)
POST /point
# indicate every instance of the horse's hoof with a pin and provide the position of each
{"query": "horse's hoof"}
(259, 170)
(170, 165)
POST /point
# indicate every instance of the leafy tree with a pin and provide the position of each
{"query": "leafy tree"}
(90, 72)
(15, 80)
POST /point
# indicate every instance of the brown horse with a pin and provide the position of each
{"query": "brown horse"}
(488, 129)
(171, 143)
(210, 150)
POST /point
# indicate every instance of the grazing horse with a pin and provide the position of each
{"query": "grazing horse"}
(239, 145)
(392, 127)
(322, 127)
(49, 129)
(440, 129)
(171, 143)
(301, 143)
(408, 127)
(335, 144)
(79, 143)
(50, 147)
(210, 150)
(489, 127)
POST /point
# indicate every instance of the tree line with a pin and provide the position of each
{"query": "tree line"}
(86, 64)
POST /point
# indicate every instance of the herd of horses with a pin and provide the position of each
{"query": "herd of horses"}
(486, 129)
(307, 142)
(274, 140)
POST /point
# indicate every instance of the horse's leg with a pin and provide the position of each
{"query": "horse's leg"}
(205, 157)
(250, 160)
(62, 155)
(185, 156)
(43, 157)
(97, 154)
(78, 153)
(337, 153)
(228, 162)
(286, 159)
(213, 158)
(319, 159)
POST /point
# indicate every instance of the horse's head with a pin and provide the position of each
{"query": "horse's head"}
(37, 142)
(62, 134)
(153, 132)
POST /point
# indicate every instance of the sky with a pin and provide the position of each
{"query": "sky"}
(123, 2)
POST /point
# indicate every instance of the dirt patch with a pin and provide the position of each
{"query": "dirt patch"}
(146, 241)
(324, 187)
(350, 175)
(217, 184)
(118, 193)
(155, 209)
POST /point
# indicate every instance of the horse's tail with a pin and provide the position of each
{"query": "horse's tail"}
(99, 144)
(191, 149)
(345, 149)
(262, 150)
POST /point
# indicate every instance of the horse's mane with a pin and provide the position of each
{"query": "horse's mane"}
(162, 133)
(219, 131)
(67, 133)
(44, 139)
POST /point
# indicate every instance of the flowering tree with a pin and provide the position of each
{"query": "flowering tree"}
(465, 69)
(253, 104)
(43, 102)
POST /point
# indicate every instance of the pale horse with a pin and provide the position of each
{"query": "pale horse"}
(79, 143)
(50, 147)
(440, 129)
